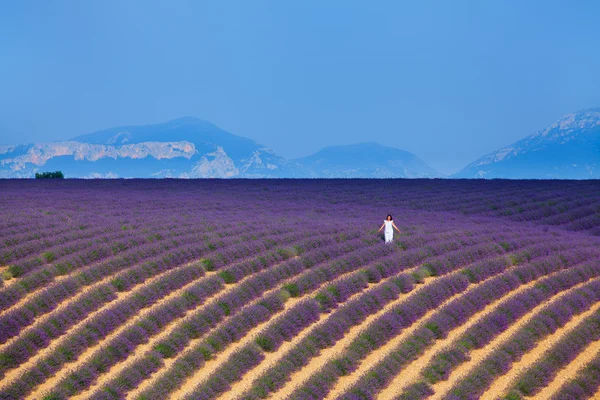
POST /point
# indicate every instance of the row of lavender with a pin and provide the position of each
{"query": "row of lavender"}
(520, 200)
(308, 260)
(201, 321)
(559, 356)
(335, 326)
(578, 207)
(127, 254)
(41, 342)
(146, 295)
(438, 325)
(479, 379)
(15, 292)
(585, 385)
(57, 250)
(542, 325)
(484, 331)
(243, 313)
(301, 285)
(164, 348)
(123, 273)
(235, 367)
(224, 377)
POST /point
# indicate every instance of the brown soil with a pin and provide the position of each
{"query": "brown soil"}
(142, 349)
(503, 384)
(478, 355)
(570, 371)
(345, 382)
(318, 362)
(213, 365)
(90, 351)
(202, 374)
(413, 372)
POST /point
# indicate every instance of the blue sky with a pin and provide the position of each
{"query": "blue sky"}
(446, 80)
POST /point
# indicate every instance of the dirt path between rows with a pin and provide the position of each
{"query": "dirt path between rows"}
(211, 366)
(89, 352)
(442, 388)
(570, 371)
(413, 372)
(503, 384)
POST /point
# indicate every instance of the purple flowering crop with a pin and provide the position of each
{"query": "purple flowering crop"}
(79, 259)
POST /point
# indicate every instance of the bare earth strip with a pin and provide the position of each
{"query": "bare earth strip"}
(141, 350)
(570, 371)
(240, 387)
(60, 307)
(82, 292)
(211, 365)
(345, 382)
(14, 374)
(28, 296)
(442, 388)
(504, 383)
(194, 342)
(244, 384)
(90, 351)
(58, 279)
(300, 377)
(55, 282)
(165, 332)
(413, 372)
(316, 363)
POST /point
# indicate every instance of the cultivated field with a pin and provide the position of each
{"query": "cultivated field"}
(250, 289)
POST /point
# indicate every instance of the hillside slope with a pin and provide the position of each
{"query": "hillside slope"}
(366, 160)
(181, 148)
(568, 149)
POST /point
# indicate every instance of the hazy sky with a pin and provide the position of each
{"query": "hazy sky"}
(447, 80)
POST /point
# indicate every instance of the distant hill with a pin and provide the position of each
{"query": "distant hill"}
(366, 160)
(193, 148)
(182, 148)
(568, 149)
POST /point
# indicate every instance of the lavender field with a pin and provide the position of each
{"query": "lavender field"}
(283, 289)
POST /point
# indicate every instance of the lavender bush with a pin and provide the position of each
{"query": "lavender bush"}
(545, 323)
(69, 248)
(544, 370)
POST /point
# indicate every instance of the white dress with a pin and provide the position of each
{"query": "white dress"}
(389, 231)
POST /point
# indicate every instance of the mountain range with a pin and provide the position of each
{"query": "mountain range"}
(193, 148)
(567, 149)
(366, 160)
(181, 148)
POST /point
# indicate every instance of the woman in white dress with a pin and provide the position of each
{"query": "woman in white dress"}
(389, 226)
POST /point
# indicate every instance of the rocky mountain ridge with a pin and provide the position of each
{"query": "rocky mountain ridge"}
(567, 149)
(184, 148)
(193, 148)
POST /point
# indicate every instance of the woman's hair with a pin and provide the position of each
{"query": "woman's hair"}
(390, 217)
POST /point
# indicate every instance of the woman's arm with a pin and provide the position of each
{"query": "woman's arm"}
(382, 225)
(394, 225)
